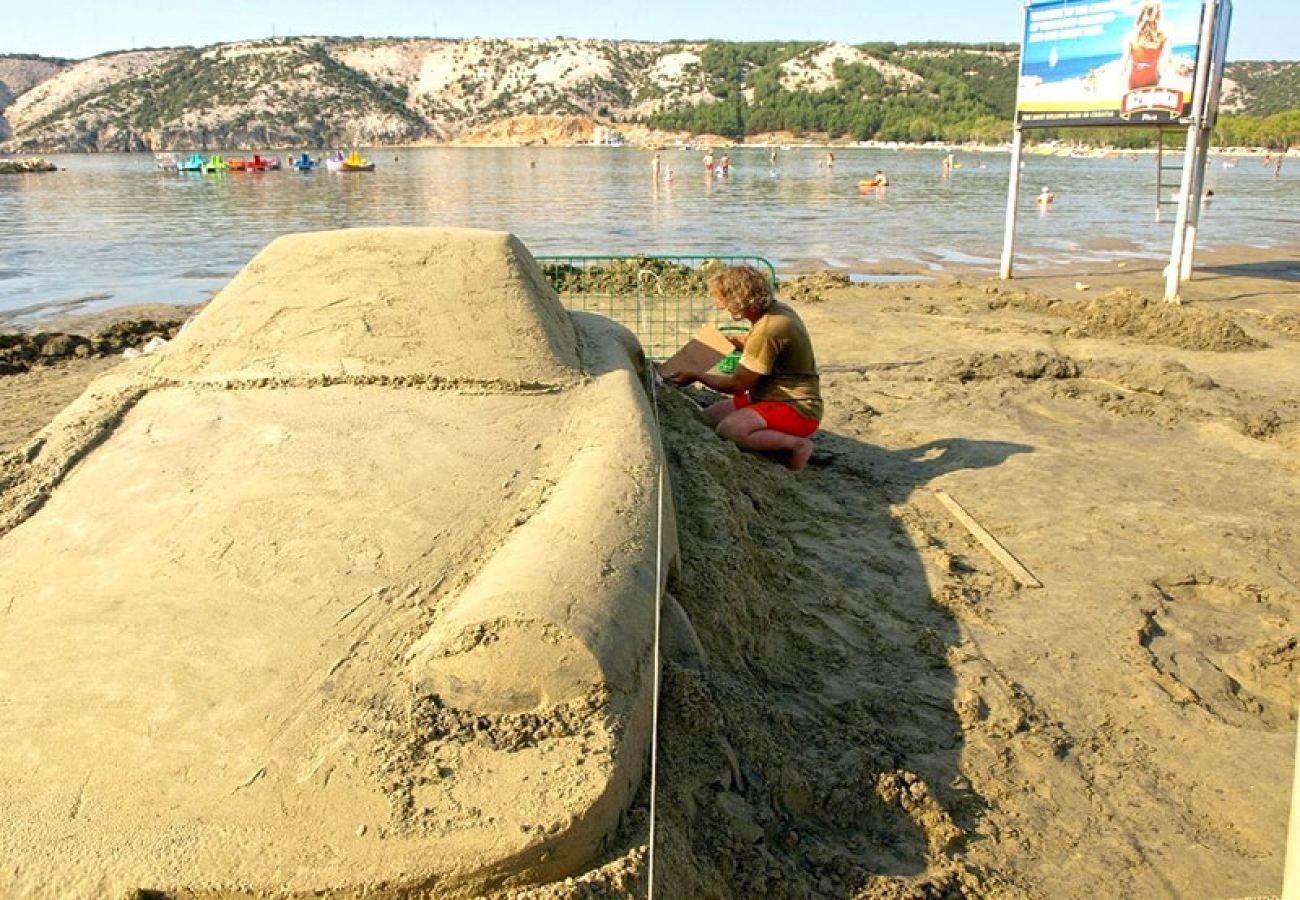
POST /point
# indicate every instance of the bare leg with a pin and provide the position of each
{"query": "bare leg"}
(716, 412)
(747, 428)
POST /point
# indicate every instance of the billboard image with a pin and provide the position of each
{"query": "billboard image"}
(1109, 62)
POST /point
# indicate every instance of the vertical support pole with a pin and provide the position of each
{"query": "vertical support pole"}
(1013, 195)
(1198, 190)
(1291, 874)
(1201, 108)
(1160, 170)
(1173, 274)
(1175, 267)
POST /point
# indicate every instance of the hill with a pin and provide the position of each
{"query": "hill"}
(318, 92)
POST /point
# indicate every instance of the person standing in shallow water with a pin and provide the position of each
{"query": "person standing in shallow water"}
(776, 402)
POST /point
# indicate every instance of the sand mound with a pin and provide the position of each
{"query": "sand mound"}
(1163, 391)
(1286, 324)
(810, 288)
(1024, 366)
(383, 302)
(1126, 313)
(348, 589)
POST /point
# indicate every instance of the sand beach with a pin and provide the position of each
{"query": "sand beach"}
(862, 700)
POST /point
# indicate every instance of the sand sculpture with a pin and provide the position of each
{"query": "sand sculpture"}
(347, 589)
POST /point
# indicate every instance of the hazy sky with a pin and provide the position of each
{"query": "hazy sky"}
(1261, 29)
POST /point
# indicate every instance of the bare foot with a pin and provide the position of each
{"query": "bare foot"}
(799, 456)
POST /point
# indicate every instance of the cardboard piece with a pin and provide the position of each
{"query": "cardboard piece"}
(700, 353)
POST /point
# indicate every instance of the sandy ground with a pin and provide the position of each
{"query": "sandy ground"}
(872, 707)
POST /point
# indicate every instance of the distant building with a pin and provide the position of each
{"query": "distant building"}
(606, 136)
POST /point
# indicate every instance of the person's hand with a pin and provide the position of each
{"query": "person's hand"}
(673, 376)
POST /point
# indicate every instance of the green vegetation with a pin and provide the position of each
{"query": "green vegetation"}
(632, 276)
(962, 92)
(1269, 87)
(913, 93)
(300, 90)
(1276, 132)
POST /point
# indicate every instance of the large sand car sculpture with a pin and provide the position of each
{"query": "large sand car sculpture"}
(349, 589)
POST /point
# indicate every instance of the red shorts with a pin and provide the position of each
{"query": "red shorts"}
(779, 416)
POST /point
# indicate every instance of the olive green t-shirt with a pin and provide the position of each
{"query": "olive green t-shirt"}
(779, 350)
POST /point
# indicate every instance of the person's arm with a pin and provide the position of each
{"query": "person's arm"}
(738, 383)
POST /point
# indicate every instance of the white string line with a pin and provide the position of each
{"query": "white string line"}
(654, 718)
(658, 614)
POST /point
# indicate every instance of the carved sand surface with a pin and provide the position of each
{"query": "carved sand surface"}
(349, 588)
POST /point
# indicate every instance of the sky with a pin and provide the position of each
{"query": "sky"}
(75, 29)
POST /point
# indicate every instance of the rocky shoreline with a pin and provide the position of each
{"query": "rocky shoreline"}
(24, 166)
(22, 352)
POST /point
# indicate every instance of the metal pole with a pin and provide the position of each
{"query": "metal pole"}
(1013, 195)
(1200, 106)
(1173, 273)
(1180, 222)
(1291, 874)
(1194, 219)
(1160, 169)
(1013, 183)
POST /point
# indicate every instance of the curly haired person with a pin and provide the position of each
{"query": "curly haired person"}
(776, 402)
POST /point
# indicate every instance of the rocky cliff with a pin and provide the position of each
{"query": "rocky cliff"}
(325, 91)
(321, 92)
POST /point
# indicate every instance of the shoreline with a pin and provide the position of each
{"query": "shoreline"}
(543, 139)
(1254, 266)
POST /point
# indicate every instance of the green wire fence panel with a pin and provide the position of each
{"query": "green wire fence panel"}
(661, 299)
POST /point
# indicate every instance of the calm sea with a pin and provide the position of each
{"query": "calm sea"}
(113, 229)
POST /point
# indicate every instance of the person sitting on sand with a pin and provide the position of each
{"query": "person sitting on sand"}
(775, 391)
(1045, 197)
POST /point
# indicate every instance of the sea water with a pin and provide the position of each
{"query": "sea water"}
(113, 229)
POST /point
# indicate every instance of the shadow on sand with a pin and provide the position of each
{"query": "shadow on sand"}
(817, 752)
(1279, 270)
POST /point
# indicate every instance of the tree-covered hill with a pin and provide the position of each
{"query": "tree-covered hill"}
(336, 91)
(916, 92)
(1263, 88)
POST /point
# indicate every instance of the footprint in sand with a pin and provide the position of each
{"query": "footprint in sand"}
(1225, 646)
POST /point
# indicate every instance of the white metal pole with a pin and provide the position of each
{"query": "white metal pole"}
(1201, 113)
(1291, 875)
(1203, 62)
(1180, 222)
(1013, 195)
(1194, 217)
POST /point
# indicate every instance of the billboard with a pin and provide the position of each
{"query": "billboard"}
(1108, 62)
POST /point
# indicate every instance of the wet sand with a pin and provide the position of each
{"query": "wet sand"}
(870, 705)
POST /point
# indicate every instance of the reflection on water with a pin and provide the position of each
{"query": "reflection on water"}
(115, 228)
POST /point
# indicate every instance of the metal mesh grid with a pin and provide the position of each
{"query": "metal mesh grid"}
(663, 299)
